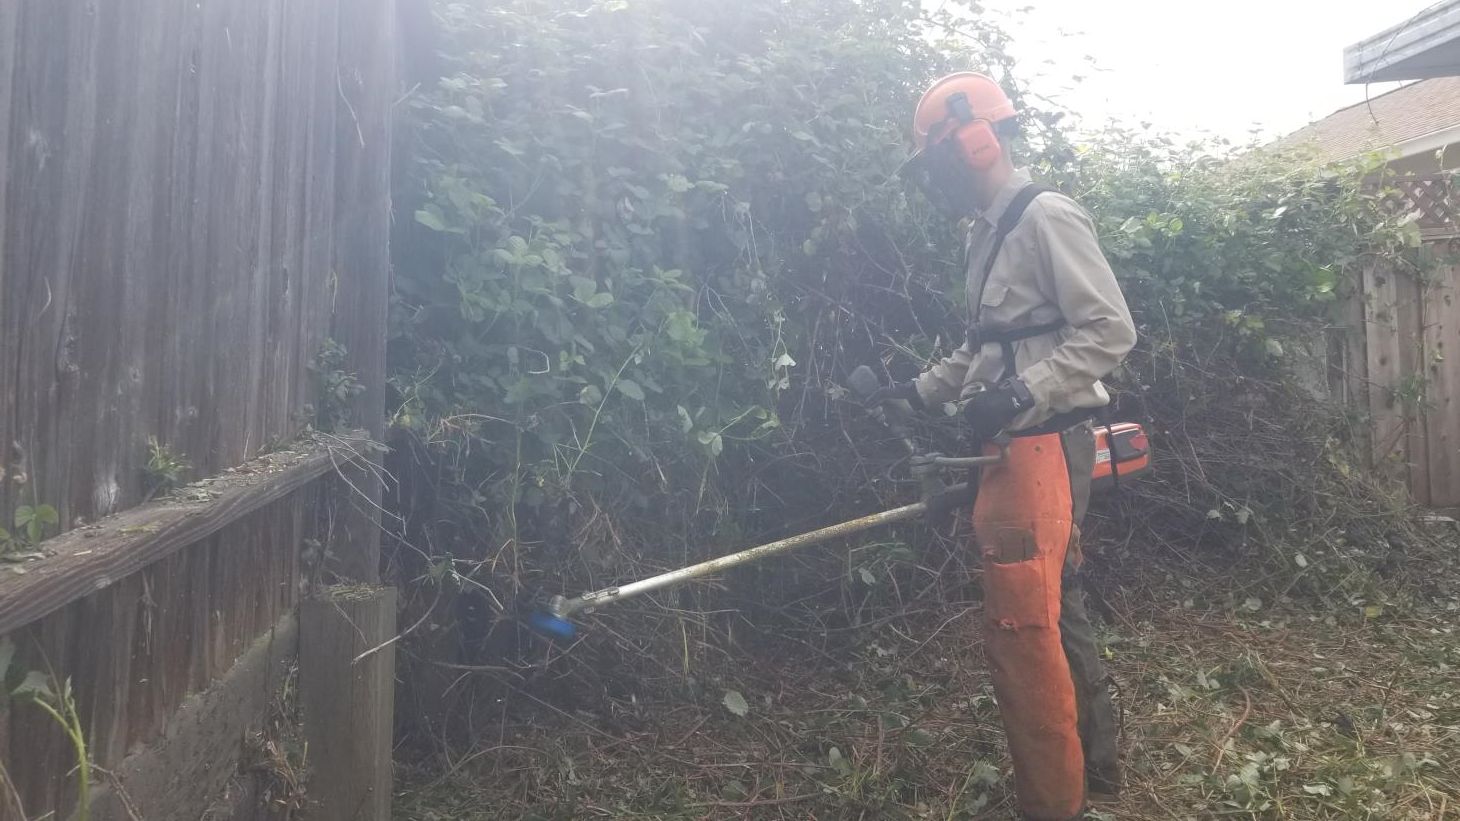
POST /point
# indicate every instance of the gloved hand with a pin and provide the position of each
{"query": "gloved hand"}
(989, 411)
(897, 391)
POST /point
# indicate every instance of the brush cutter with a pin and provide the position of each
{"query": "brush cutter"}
(1121, 450)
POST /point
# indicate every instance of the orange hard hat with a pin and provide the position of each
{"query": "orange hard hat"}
(955, 100)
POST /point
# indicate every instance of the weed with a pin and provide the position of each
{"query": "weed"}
(57, 700)
(336, 386)
(31, 523)
(165, 470)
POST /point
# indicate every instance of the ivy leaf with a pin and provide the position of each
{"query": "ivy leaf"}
(711, 440)
(430, 220)
(631, 389)
(36, 685)
(735, 703)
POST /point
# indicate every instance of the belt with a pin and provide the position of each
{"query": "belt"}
(1059, 423)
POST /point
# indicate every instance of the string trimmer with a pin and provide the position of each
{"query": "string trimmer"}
(1124, 444)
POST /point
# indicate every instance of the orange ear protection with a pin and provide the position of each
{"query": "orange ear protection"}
(975, 136)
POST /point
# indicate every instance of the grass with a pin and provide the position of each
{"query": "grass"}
(1234, 707)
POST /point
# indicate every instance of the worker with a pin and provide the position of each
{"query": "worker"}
(1047, 323)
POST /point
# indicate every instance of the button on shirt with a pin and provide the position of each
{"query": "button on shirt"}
(1049, 268)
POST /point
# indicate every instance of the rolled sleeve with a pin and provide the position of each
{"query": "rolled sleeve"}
(1076, 275)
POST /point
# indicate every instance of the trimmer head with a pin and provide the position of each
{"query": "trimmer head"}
(545, 620)
(550, 625)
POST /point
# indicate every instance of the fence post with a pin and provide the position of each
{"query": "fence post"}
(346, 692)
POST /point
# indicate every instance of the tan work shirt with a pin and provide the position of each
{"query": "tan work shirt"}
(1050, 266)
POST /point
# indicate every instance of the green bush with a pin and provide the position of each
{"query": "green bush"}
(644, 233)
(643, 242)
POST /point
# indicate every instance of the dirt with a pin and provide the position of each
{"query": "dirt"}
(1237, 701)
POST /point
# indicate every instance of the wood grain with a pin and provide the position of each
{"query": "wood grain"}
(88, 559)
(346, 690)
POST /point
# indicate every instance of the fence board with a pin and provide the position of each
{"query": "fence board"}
(1409, 324)
(1381, 323)
(1442, 373)
(170, 255)
(139, 648)
(170, 259)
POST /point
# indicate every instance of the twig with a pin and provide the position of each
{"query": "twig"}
(1242, 719)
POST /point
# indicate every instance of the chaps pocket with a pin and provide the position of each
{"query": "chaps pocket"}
(1015, 580)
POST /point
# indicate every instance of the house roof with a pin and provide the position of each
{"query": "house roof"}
(1412, 119)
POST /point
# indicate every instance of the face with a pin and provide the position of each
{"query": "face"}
(946, 179)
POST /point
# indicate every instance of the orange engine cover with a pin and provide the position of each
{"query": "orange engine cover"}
(1122, 450)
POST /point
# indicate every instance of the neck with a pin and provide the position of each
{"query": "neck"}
(991, 182)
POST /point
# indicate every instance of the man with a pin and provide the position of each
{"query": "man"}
(1047, 322)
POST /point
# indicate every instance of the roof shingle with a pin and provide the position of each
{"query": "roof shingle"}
(1382, 122)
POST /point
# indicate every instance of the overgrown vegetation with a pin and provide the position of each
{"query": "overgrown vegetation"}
(648, 240)
(335, 387)
(40, 690)
(31, 523)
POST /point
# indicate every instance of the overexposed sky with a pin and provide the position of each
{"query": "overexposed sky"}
(1222, 67)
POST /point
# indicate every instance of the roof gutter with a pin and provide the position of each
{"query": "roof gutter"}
(1427, 45)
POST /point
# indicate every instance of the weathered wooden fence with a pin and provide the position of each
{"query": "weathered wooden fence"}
(1402, 356)
(194, 195)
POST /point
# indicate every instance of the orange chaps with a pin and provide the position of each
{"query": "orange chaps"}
(1023, 523)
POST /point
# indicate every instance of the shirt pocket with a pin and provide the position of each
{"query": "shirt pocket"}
(995, 291)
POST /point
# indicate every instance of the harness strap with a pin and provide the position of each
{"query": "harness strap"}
(977, 335)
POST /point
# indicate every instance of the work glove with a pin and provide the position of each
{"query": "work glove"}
(991, 410)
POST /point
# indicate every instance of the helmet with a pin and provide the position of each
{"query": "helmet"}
(954, 137)
(958, 99)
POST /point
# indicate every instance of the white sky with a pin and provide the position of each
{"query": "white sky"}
(1223, 67)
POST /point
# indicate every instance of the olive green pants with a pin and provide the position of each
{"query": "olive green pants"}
(1096, 710)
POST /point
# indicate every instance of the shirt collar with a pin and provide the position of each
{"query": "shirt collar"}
(1014, 185)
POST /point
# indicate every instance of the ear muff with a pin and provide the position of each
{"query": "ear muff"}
(979, 145)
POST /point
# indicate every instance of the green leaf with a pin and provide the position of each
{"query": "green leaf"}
(7, 654)
(46, 515)
(631, 389)
(24, 515)
(36, 685)
(838, 762)
(735, 703)
(918, 737)
(1317, 789)
(602, 299)
(711, 440)
(430, 220)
